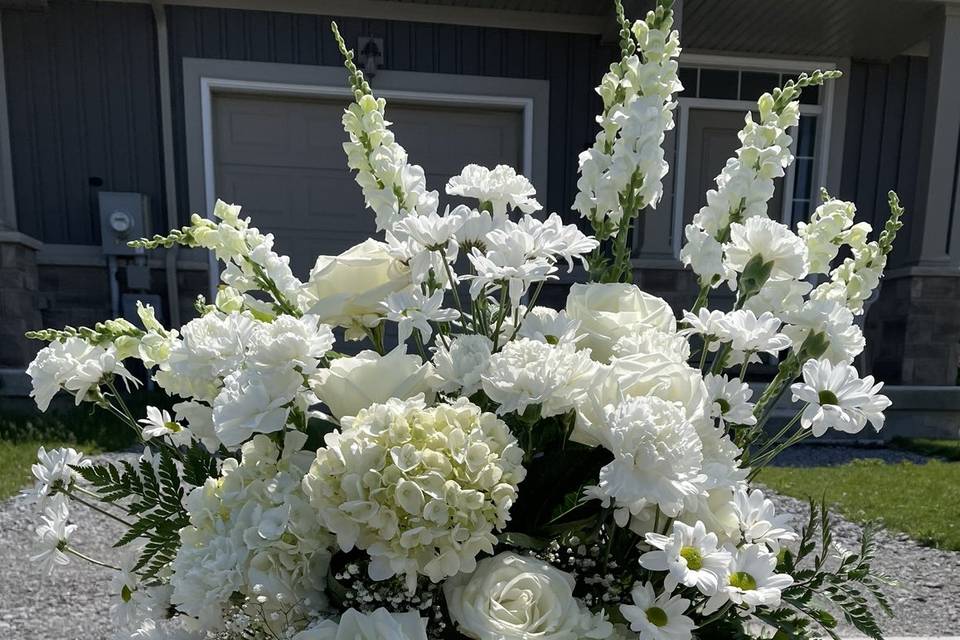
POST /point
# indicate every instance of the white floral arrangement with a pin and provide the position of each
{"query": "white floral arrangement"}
(504, 471)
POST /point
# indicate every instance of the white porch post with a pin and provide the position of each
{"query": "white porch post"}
(935, 243)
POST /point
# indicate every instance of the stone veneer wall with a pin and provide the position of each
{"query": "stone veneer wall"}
(913, 330)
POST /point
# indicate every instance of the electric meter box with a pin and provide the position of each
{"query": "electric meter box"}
(123, 217)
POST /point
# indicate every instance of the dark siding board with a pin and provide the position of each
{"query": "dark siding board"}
(571, 63)
(82, 99)
(884, 119)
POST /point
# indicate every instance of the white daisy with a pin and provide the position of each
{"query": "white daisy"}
(657, 617)
(159, 423)
(747, 332)
(759, 521)
(729, 400)
(546, 325)
(772, 242)
(752, 580)
(835, 321)
(501, 188)
(53, 534)
(705, 322)
(554, 239)
(512, 261)
(838, 398)
(433, 231)
(690, 555)
(412, 309)
(54, 471)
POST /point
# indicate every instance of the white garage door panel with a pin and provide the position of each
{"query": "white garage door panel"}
(282, 159)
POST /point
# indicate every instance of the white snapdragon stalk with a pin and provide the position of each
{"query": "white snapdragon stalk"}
(391, 186)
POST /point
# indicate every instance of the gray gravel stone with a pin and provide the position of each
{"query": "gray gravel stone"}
(818, 455)
(73, 604)
(926, 598)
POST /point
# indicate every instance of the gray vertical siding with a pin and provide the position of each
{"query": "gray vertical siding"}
(82, 97)
(884, 119)
(571, 63)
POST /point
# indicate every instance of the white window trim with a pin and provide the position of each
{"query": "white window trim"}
(824, 112)
(529, 97)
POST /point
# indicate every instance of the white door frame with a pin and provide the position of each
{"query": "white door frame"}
(205, 78)
(823, 111)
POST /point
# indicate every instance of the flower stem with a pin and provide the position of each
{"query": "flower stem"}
(73, 551)
(90, 505)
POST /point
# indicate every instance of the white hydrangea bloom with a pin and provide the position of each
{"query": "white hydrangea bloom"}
(459, 368)
(838, 398)
(529, 372)
(252, 526)
(498, 190)
(657, 458)
(419, 510)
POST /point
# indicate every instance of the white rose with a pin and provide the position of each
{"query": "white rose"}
(379, 625)
(515, 597)
(352, 384)
(608, 312)
(349, 288)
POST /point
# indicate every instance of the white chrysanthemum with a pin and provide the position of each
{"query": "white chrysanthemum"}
(546, 325)
(54, 471)
(500, 188)
(514, 597)
(52, 536)
(759, 522)
(772, 242)
(459, 368)
(691, 557)
(747, 332)
(838, 398)
(73, 365)
(420, 489)
(705, 322)
(252, 531)
(673, 346)
(555, 240)
(845, 339)
(657, 617)
(729, 400)
(512, 260)
(656, 458)
(413, 309)
(752, 580)
(529, 372)
(160, 423)
(432, 231)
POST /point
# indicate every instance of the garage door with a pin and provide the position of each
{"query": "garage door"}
(281, 158)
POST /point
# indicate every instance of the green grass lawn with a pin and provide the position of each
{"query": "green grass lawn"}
(15, 461)
(922, 500)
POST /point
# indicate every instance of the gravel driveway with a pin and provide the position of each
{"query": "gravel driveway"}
(74, 603)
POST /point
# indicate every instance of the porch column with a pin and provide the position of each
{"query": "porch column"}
(916, 326)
